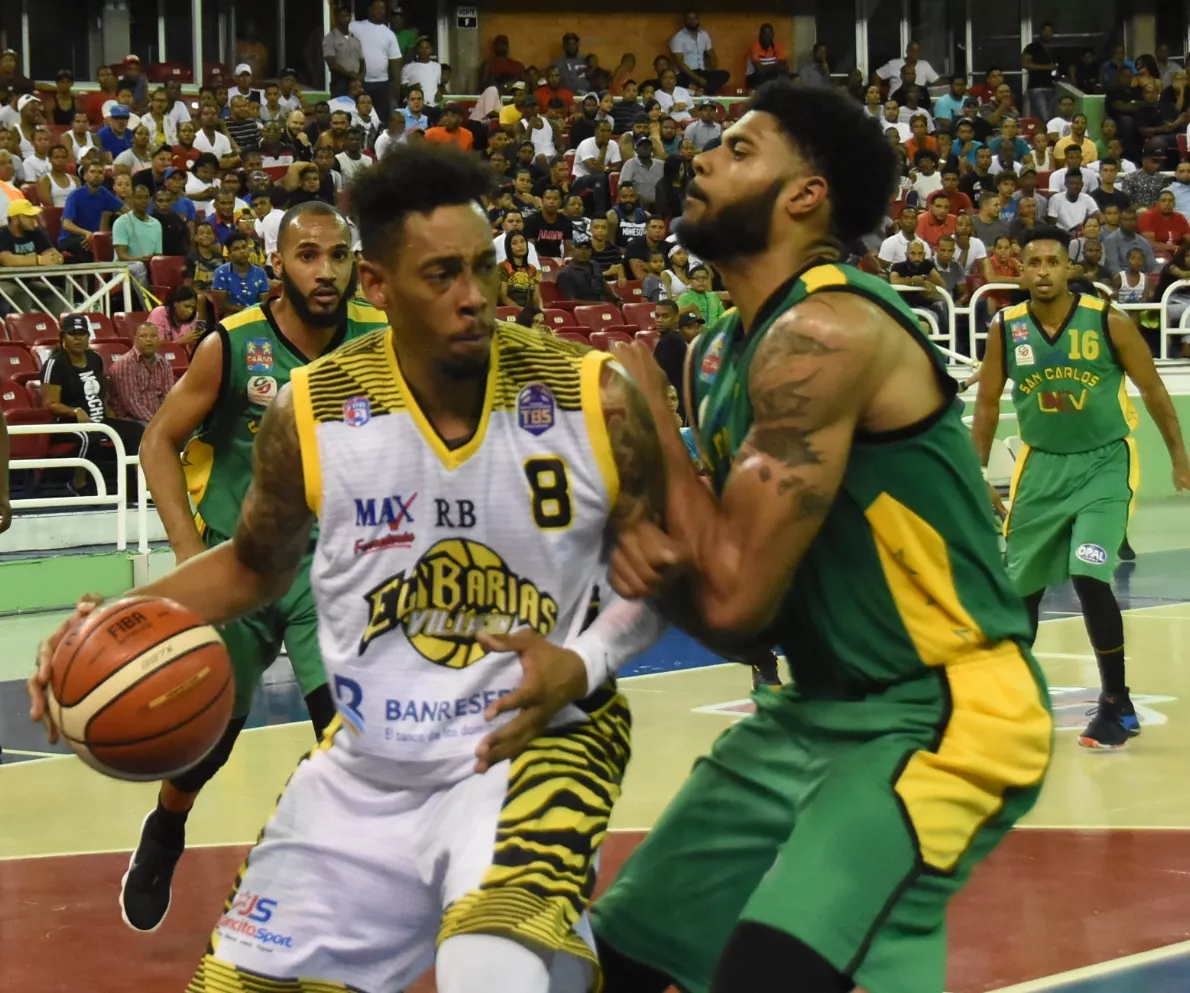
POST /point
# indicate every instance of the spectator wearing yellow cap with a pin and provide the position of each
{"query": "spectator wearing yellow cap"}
(23, 241)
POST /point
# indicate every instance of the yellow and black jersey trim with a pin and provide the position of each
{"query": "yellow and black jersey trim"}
(357, 368)
(526, 356)
(560, 795)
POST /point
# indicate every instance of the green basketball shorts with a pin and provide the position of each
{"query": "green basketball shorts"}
(1069, 514)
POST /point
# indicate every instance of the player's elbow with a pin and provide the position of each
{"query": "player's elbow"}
(737, 613)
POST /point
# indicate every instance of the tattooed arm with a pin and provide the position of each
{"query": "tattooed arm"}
(809, 383)
(259, 564)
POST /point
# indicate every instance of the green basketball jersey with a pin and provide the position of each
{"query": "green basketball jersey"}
(257, 361)
(1068, 390)
(906, 573)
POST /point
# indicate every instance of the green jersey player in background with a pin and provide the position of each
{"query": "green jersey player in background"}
(1075, 479)
(817, 845)
(213, 413)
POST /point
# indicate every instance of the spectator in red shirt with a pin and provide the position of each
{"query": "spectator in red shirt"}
(1163, 225)
(767, 58)
(960, 203)
(500, 70)
(936, 222)
(141, 378)
(553, 88)
(985, 90)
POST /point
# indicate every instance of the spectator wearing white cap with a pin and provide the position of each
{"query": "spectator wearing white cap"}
(382, 57)
(243, 86)
(423, 71)
(32, 116)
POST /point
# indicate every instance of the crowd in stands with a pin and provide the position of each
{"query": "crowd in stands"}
(590, 168)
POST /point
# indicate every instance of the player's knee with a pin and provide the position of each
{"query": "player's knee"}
(484, 963)
(761, 959)
(193, 780)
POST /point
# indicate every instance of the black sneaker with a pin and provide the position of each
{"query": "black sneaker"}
(764, 673)
(1127, 554)
(1106, 731)
(1128, 719)
(145, 889)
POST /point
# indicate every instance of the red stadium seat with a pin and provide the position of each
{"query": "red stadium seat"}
(557, 318)
(649, 337)
(125, 323)
(176, 356)
(28, 328)
(1029, 127)
(631, 291)
(549, 268)
(14, 396)
(51, 220)
(109, 351)
(1184, 147)
(613, 184)
(43, 348)
(3, 330)
(101, 247)
(167, 271)
(17, 362)
(277, 173)
(640, 314)
(598, 316)
(101, 324)
(32, 194)
(550, 293)
(507, 313)
(974, 281)
(738, 109)
(568, 306)
(27, 446)
(606, 341)
(569, 157)
(572, 334)
(163, 72)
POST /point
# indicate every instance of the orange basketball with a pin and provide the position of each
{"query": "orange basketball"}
(141, 689)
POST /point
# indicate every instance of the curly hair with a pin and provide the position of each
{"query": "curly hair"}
(413, 179)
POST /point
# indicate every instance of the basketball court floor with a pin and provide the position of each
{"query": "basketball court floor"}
(1091, 895)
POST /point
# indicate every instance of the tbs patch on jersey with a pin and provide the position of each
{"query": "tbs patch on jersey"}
(1024, 354)
(1019, 331)
(357, 411)
(712, 360)
(1091, 554)
(535, 408)
(262, 390)
(258, 355)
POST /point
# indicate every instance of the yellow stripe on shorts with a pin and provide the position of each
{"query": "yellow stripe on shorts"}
(214, 976)
(560, 795)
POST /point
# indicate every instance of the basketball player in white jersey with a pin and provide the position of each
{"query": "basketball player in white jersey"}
(465, 476)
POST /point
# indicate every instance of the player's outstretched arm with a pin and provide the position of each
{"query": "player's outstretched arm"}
(186, 406)
(810, 381)
(1137, 362)
(991, 388)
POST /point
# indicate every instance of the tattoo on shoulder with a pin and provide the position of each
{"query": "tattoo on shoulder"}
(635, 448)
(275, 523)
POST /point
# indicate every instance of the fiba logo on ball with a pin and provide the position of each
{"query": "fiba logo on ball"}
(456, 591)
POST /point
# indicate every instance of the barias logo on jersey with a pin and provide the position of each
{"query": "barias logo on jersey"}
(262, 390)
(535, 408)
(1019, 331)
(258, 355)
(712, 360)
(456, 591)
(357, 411)
(1091, 554)
(1024, 354)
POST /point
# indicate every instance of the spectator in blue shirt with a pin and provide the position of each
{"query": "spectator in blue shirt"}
(1119, 60)
(1010, 132)
(1180, 188)
(175, 182)
(238, 284)
(414, 111)
(950, 107)
(115, 137)
(88, 209)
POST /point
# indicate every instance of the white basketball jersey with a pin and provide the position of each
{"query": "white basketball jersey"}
(421, 548)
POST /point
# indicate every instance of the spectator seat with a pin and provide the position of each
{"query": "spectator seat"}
(639, 313)
(14, 396)
(613, 184)
(176, 356)
(1029, 127)
(109, 351)
(606, 341)
(277, 173)
(572, 334)
(738, 109)
(557, 318)
(631, 291)
(17, 362)
(1183, 147)
(32, 194)
(598, 316)
(125, 323)
(550, 294)
(507, 313)
(28, 446)
(163, 72)
(649, 337)
(101, 247)
(51, 219)
(101, 324)
(167, 272)
(28, 328)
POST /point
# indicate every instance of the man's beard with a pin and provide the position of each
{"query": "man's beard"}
(738, 230)
(314, 319)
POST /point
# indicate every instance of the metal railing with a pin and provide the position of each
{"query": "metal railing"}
(975, 335)
(946, 336)
(74, 287)
(101, 497)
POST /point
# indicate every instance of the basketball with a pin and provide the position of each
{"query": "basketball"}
(141, 689)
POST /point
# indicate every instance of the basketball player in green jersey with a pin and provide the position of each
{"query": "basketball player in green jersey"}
(1075, 480)
(816, 847)
(214, 412)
